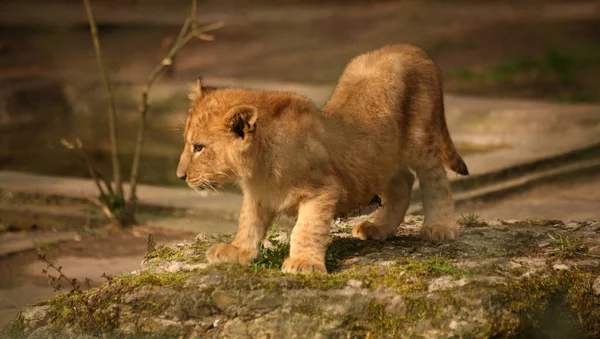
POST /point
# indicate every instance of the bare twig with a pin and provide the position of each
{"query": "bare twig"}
(112, 113)
(194, 14)
(55, 281)
(179, 43)
(105, 209)
(95, 173)
(184, 29)
(94, 170)
(106, 189)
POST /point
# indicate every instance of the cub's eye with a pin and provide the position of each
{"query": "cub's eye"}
(198, 148)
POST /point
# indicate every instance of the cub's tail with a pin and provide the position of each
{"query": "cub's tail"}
(450, 156)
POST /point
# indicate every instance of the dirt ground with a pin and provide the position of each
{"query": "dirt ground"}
(107, 250)
(572, 199)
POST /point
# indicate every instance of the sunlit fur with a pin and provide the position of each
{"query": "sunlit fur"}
(384, 121)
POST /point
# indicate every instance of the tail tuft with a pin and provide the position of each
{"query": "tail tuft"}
(459, 166)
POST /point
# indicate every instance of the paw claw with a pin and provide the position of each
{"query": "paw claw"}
(304, 266)
(228, 253)
(368, 230)
(439, 232)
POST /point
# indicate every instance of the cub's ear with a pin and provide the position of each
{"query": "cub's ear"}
(196, 90)
(241, 120)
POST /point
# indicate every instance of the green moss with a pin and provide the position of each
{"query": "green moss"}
(247, 277)
(382, 323)
(194, 253)
(273, 256)
(89, 310)
(378, 322)
(165, 253)
(531, 297)
(324, 281)
(15, 329)
(529, 300)
(96, 311)
(586, 303)
(173, 280)
(405, 275)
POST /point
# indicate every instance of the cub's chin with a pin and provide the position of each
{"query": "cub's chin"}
(204, 188)
(205, 192)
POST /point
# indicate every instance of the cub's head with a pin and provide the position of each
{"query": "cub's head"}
(218, 139)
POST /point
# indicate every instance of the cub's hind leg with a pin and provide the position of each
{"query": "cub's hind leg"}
(384, 221)
(438, 206)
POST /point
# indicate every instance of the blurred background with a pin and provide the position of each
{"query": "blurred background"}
(546, 50)
(522, 84)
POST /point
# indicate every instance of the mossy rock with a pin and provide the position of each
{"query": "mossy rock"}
(528, 278)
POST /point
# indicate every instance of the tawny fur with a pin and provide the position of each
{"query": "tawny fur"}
(384, 121)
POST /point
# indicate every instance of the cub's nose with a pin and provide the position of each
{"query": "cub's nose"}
(183, 177)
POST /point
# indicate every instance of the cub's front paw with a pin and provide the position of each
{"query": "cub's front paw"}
(440, 232)
(368, 230)
(301, 265)
(227, 253)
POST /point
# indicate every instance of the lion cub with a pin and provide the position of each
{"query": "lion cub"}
(384, 120)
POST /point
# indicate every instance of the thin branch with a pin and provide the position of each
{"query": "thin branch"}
(179, 43)
(103, 179)
(104, 208)
(194, 14)
(112, 113)
(184, 29)
(96, 175)
(55, 281)
(94, 171)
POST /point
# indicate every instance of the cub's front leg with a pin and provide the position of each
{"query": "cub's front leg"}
(254, 222)
(310, 235)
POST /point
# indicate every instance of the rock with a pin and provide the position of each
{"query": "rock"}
(353, 283)
(222, 300)
(35, 314)
(596, 286)
(175, 267)
(158, 325)
(561, 267)
(490, 282)
(445, 283)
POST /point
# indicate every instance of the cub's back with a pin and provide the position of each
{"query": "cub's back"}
(378, 82)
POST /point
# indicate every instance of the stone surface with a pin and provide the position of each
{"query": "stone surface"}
(493, 281)
(596, 286)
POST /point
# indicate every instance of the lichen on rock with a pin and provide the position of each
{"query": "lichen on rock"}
(499, 279)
